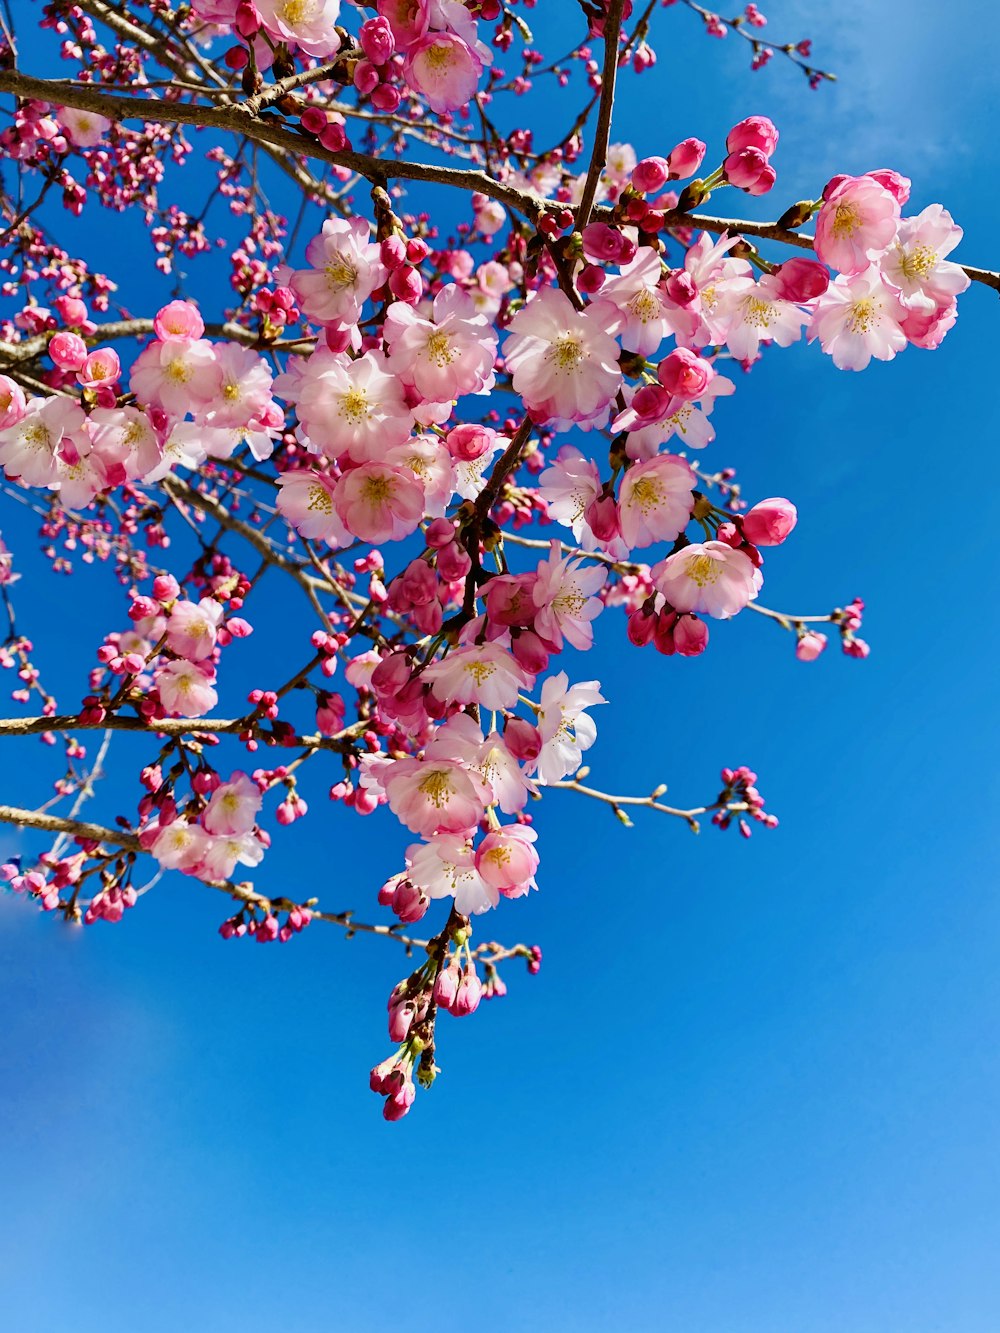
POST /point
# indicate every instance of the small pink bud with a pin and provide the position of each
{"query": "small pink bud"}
(769, 522)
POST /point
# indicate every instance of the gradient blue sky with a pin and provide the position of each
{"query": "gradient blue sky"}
(755, 1087)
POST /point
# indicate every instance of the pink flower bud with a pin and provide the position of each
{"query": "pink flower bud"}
(684, 374)
(690, 636)
(640, 627)
(590, 279)
(754, 132)
(248, 21)
(72, 311)
(651, 402)
(680, 287)
(313, 120)
(530, 652)
(377, 40)
(399, 1103)
(523, 740)
(446, 985)
(856, 648)
(749, 170)
(366, 77)
(469, 442)
(406, 284)
(607, 244)
(409, 903)
(651, 174)
(470, 992)
(439, 533)
(769, 522)
(68, 351)
(603, 518)
(401, 1018)
(453, 562)
(810, 645)
(393, 252)
(684, 160)
(799, 280)
(897, 185)
(166, 588)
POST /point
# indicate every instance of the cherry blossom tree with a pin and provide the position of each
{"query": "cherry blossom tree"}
(459, 404)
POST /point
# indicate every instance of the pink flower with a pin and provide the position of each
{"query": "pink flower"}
(379, 503)
(28, 448)
(179, 321)
(858, 318)
(916, 265)
(655, 501)
(445, 70)
(185, 688)
(857, 222)
(445, 867)
(221, 856)
(650, 175)
(568, 487)
(179, 377)
(192, 628)
(685, 375)
(354, 407)
(432, 796)
(564, 596)
(13, 404)
(86, 129)
(180, 846)
(754, 315)
(346, 268)
(310, 24)
(507, 859)
(245, 389)
(636, 295)
(565, 727)
(564, 362)
(769, 522)
(484, 674)
(234, 806)
(710, 577)
(306, 499)
(443, 357)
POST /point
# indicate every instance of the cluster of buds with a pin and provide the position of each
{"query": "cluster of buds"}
(740, 796)
(268, 925)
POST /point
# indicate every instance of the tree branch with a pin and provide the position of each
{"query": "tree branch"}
(599, 156)
(235, 119)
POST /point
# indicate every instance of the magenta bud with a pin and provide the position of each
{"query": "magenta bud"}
(522, 738)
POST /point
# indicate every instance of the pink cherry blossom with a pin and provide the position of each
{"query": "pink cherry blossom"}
(435, 795)
(564, 595)
(185, 688)
(858, 318)
(484, 674)
(858, 221)
(346, 269)
(86, 129)
(192, 628)
(444, 356)
(445, 867)
(353, 406)
(310, 24)
(379, 503)
(233, 807)
(506, 859)
(636, 294)
(565, 727)
(307, 500)
(916, 265)
(564, 361)
(710, 577)
(655, 502)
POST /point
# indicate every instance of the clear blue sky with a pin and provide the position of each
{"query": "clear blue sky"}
(755, 1088)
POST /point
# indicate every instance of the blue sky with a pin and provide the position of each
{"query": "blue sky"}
(755, 1087)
